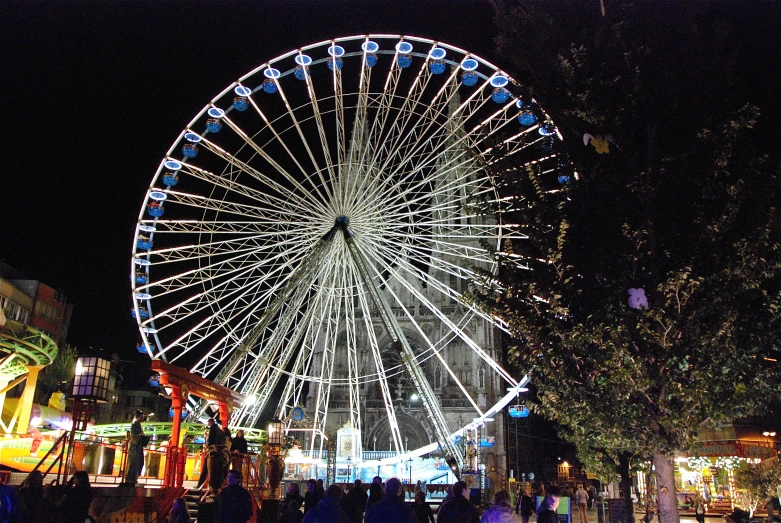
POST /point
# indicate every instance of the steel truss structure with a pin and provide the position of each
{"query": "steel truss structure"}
(318, 200)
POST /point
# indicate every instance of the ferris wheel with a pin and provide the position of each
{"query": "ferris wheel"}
(326, 210)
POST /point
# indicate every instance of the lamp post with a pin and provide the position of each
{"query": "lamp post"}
(90, 387)
(349, 460)
(275, 469)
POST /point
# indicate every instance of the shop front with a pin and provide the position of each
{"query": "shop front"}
(709, 471)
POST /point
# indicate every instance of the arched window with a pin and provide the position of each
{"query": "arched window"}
(481, 376)
(437, 377)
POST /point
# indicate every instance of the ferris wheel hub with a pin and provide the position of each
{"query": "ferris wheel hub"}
(342, 221)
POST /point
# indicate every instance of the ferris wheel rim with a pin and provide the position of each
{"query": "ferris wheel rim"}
(219, 211)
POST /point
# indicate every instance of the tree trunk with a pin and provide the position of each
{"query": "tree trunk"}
(626, 487)
(665, 488)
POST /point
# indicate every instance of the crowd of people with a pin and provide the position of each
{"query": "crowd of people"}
(385, 503)
(30, 503)
(382, 502)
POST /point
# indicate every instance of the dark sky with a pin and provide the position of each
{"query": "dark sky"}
(93, 94)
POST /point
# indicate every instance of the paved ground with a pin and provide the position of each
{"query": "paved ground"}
(592, 518)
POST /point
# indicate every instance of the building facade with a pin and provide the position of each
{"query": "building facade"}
(33, 303)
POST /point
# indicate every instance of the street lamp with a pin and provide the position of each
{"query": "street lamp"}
(275, 469)
(349, 460)
(90, 387)
(768, 434)
(275, 466)
(409, 465)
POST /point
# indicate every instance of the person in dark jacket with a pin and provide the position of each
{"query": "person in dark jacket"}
(9, 504)
(311, 496)
(459, 509)
(179, 512)
(238, 449)
(500, 511)
(75, 507)
(239, 443)
(525, 506)
(292, 513)
(355, 502)
(227, 440)
(329, 509)
(547, 511)
(293, 494)
(34, 506)
(234, 504)
(422, 508)
(135, 449)
(217, 460)
(375, 494)
(391, 508)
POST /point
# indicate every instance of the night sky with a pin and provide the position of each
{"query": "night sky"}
(93, 94)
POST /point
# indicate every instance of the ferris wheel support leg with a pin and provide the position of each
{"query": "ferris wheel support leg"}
(430, 403)
(296, 281)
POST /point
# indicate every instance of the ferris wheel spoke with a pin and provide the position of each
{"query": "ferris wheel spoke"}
(293, 207)
(321, 132)
(356, 169)
(323, 394)
(212, 227)
(299, 192)
(217, 249)
(235, 267)
(411, 140)
(218, 205)
(279, 139)
(456, 329)
(446, 289)
(340, 136)
(275, 354)
(301, 278)
(191, 226)
(384, 105)
(353, 386)
(294, 388)
(382, 379)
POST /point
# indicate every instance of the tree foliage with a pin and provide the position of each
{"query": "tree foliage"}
(672, 198)
(57, 374)
(757, 484)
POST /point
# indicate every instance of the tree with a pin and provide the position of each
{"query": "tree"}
(757, 484)
(672, 198)
(56, 375)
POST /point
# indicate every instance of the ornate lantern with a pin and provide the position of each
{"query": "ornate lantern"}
(275, 466)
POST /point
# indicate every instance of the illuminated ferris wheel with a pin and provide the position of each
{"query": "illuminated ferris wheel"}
(316, 209)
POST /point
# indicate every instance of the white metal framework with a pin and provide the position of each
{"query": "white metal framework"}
(332, 190)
